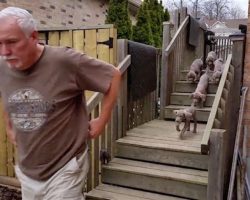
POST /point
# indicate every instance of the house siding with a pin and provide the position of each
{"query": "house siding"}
(63, 13)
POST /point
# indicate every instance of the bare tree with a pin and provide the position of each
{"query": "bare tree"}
(175, 4)
(211, 9)
(195, 8)
(235, 12)
(216, 9)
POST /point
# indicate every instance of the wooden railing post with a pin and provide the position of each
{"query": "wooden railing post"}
(164, 74)
(122, 100)
(216, 165)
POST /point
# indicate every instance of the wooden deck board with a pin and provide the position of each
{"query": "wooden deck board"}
(161, 133)
(162, 146)
(115, 192)
(157, 170)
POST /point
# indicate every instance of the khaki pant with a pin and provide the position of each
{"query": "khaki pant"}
(66, 183)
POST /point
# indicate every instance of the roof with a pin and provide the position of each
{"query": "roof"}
(230, 23)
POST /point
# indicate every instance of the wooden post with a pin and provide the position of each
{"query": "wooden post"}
(164, 74)
(122, 46)
(216, 165)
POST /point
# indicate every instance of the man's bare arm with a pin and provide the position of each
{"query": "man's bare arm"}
(97, 125)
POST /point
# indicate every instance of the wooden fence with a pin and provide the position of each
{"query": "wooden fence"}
(99, 42)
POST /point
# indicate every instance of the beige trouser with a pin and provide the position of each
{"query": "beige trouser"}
(66, 183)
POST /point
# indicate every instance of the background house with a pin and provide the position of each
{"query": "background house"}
(226, 27)
(64, 13)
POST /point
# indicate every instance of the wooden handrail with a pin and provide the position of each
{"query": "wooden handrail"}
(173, 41)
(237, 141)
(97, 97)
(209, 126)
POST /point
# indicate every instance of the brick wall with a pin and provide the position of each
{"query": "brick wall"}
(63, 13)
(247, 78)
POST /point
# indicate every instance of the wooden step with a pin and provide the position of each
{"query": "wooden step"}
(164, 179)
(185, 99)
(202, 114)
(189, 87)
(158, 141)
(183, 74)
(112, 192)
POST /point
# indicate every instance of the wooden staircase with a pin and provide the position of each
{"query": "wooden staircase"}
(152, 163)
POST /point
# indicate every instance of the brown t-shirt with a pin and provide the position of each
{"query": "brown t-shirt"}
(47, 107)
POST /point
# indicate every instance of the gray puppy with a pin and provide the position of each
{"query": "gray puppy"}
(211, 57)
(218, 69)
(195, 70)
(200, 93)
(185, 115)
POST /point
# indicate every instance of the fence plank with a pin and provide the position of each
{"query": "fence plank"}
(54, 38)
(103, 49)
(66, 38)
(90, 43)
(78, 40)
(3, 145)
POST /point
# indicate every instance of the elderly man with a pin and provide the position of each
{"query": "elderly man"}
(42, 88)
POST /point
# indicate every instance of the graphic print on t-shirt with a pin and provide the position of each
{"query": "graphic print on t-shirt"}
(27, 109)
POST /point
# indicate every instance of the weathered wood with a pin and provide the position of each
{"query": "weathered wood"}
(96, 150)
(163, 89)
(237, 143)
(163, 179)
(94, 101)
(111, 192)
(216, 165)
(147, 152)
(185, 99)
(174, 40)
(124, 64)
(188, 87)
(206, 136)
(201, 113)
(125, 61)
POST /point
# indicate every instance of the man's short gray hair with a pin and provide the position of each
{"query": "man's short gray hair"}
(24, 19)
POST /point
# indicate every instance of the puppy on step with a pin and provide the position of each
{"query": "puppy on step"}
(185, 115)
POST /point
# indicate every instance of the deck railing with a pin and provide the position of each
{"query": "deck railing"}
(112, 130)
(222, 47)
(217, 117)
(171, 60)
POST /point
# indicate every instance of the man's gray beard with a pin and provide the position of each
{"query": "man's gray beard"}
(5, 59)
